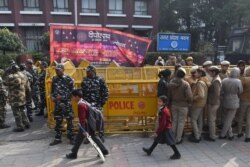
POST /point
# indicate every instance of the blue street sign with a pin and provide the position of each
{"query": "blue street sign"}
(167, 42)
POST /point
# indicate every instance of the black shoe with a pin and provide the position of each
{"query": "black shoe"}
(18, 129)
(4, 126)
(39, 114)
(222, 137)
(194, 140)
(55, 142)
(247, 140)
(71, 156)
(146, 150)
(179, 142)
(240, 135)
(175, 156)
(231, 138)
(207, 138)
(220, 126)
(27, 126)
(72, 142)
(30, 118)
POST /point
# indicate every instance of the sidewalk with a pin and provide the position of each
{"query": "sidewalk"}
(31, 149)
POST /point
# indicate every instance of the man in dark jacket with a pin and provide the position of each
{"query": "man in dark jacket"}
(162, 88)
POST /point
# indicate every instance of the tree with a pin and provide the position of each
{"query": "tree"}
(45, 41)
(10, 41)
(213, 18)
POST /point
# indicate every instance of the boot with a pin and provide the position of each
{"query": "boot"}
(18, 129)
(175, 156)
(40, 113)
(150, 150)
(3, 126)
(30, 118)
(71, 156)
(55, 142)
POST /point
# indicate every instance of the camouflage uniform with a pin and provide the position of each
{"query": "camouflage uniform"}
(17, 85)
(41, 84)
(3, 99)
(34, 87)
(29, 77)
(95, 91)
(63, 86)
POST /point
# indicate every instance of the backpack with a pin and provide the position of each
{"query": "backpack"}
(95, 117)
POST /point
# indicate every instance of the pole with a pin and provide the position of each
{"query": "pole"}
(75, 6)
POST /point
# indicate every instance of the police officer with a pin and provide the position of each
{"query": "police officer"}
(224, 73)
(95, 91)
(17, 84)
(34, 87)
(41, 83)
(94, 88)
(62, 86)
(3, 99)
(28, 92)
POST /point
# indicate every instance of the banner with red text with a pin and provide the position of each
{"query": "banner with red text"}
(100, 46)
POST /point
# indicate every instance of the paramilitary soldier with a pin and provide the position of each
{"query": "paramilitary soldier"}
(3, 100)
(94, 90)
(28, 92)
(17, 84)
(41, 83)
(62, 86)
(34, 87)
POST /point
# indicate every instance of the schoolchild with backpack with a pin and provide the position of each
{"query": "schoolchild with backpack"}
(164, 132)
(91, 120)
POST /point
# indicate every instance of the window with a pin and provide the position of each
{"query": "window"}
(32, 39)
(141, 7)
(4, 5)
(31, 5)
(115, 7)
(60, 5)
(89, 6)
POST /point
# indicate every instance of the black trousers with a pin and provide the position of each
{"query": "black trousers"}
(80, 137)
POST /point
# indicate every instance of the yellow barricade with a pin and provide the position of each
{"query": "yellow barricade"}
(132, 104)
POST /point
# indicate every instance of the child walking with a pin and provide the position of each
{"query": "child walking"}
(83, 113)
(164, 131)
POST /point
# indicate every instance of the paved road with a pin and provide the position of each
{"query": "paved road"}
(31, 149)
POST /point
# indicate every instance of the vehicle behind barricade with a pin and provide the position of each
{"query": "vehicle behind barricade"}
(132, 103)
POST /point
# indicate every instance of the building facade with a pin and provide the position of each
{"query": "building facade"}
(31, 18)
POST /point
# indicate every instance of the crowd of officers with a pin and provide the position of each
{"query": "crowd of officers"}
(208, 95)
(211, 97)
(26, 88)
(24, 85)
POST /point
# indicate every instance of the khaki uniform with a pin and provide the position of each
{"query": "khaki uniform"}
(196, 112)
(231, 89)
(213, 103)
(244, 111)
(17, 85)
(180, 96)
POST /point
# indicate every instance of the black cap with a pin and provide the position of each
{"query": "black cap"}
(91, 68)
(59, 66)
(22, 67)
(44, 63)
